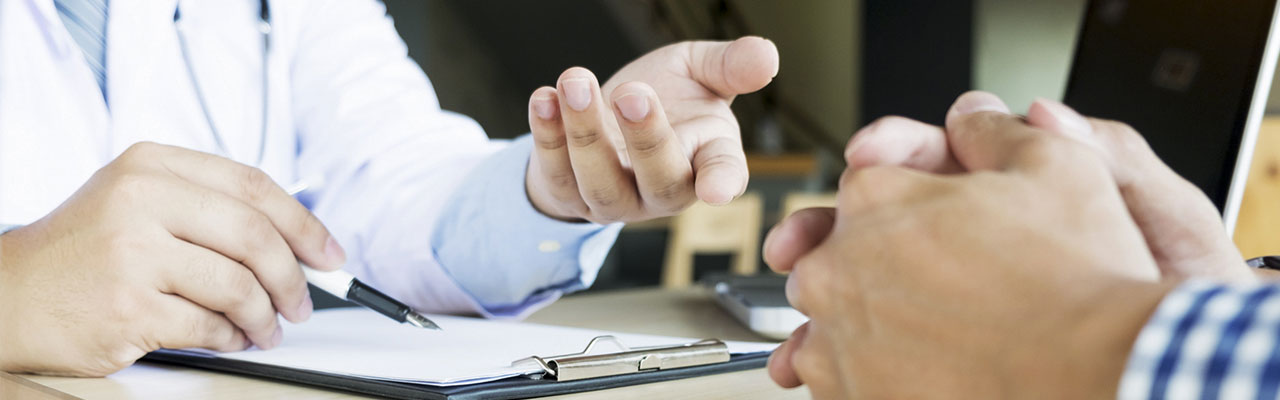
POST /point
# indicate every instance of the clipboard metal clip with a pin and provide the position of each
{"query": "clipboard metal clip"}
(593, 362)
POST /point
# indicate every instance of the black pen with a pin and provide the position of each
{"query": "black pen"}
(344, 285)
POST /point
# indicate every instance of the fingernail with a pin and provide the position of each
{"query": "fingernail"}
(544, 108)
(334, 252)
(577, 92)
(975, 102)
(634, 107)
(1067, 117)
(277, 336)
(304, 309)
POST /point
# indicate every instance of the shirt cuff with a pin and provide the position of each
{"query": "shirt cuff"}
(506, 254)
(1205, 340)
(5, 228)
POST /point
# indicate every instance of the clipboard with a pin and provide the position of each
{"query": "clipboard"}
(595, 368)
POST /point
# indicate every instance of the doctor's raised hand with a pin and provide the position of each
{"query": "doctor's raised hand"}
(163, 247)
(654, 138)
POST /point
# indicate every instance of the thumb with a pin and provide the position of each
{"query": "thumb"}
(733, 68)
(983, 135)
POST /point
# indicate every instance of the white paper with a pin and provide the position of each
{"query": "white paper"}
(359, 342)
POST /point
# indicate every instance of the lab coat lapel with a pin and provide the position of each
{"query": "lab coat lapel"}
(151, 95)
(52, 116)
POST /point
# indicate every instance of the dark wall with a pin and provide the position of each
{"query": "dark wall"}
(485, 57)
(917, 57)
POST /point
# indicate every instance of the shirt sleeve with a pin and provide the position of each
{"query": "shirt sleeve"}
(507, 255)
(394, 170)
(5, 228)
(1208, 340)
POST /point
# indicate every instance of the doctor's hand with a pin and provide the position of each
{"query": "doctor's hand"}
(1025, 278)
(1182, 227)
(162, 248)
(656, 137)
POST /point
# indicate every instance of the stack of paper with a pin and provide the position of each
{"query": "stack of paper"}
(360, 343)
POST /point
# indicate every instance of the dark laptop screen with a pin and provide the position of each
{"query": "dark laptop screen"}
(1181, 72)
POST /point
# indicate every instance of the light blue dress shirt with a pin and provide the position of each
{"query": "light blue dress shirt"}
(507, 255)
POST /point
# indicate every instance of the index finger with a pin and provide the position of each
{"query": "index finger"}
(902, 142)
(305, 234)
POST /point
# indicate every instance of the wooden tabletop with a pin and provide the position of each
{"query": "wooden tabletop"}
(686, 313)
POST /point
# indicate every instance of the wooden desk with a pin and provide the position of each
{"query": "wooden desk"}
(686, 312)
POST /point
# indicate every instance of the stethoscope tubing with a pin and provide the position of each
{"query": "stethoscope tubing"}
(264, 27)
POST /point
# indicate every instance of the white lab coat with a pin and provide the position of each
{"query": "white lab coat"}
(348, 111)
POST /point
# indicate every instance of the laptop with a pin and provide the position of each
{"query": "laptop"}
(1192, 76)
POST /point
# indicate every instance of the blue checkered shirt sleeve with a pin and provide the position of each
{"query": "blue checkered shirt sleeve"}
(1208, 341)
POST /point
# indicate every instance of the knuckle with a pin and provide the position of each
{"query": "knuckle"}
(212, 331)
(672, 197)
(310, 226)
(1052, 150)
(805, 363)
(1124, 139)
(795, 295)
(240, 290)
(141, 150)
(549, 140)
(256, 185)
(119, 358)
(260, 233)
(800, 285)
(1074, 164)
(724, 160)
(199, 328)
(647, 142)
(562, 179)
(604, 197)
(584, 137)
(873, 186)
(138, 156)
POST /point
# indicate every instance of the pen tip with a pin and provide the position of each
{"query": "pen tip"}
(420, 321)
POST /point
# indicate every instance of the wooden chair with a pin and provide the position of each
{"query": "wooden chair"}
(1258, 226)
(732, 228)
(796, 201)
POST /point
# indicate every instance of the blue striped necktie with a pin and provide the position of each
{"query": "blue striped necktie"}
(86, 20)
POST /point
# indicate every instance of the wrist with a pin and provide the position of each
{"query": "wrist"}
(1085, 353)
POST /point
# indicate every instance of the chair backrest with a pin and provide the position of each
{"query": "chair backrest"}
(733, 228)
(796, 201)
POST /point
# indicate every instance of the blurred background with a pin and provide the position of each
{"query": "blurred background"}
(843, 64)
